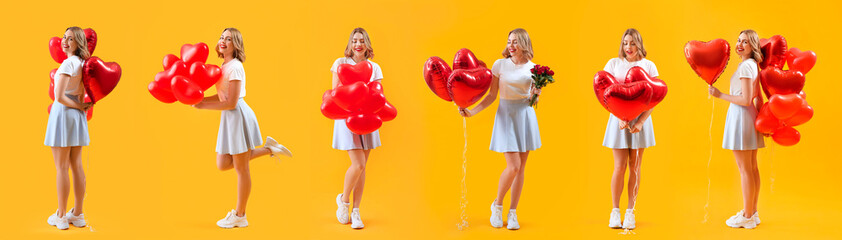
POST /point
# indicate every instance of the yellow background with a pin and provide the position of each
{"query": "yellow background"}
(151, 166)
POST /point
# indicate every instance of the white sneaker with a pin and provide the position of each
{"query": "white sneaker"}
(614, 221)
(496, 215)
(276, 148)
(512, 220)
(232, 220)
(59, 222)
(739, 221)
(342, 210)
(78, 221)
(629, 223)
(356, 222)
(756, 217)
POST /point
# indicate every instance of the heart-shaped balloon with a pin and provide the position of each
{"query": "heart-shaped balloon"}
(786, 136)
(347, 96)
(465, 59)
(374, 100)
(784, 106)
(388, 112)
(363, 123)
(774, 52)
(777, 81)
(802, 116)
(467, 86)
(628, 100)
(100, 78)
(194, 53)
(57, 53)
(708, 59)
(169, 60)
(351, 73)
(161, 90)
(766, 122)
(800, 61)
(205, 75)
(332, 110)
(436, 73)
(90, 39)
(186, 91)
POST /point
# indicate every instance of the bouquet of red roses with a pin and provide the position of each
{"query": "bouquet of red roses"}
(541, 76)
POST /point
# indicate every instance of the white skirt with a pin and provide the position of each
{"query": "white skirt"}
(238, 130)
(515, 127)
(740, 133)
(623, 139)
(66, 127)
(344, 139)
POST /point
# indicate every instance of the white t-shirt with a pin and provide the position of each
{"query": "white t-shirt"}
(747, 69)
(72, 66)
(376, 73)
(233, 70)
(515, 80)
(619, 67)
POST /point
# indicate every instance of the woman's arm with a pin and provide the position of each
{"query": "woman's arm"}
(489, 98)
(640, 121)
(335, 82)
(229, 103)
(58, 91)
(743, 99)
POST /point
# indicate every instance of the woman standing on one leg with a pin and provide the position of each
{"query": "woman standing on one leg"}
(239, 135)
(740, 133)
(515, 130)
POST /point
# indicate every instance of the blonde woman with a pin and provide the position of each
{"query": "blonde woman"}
(67, 129)
(239, 134)
(740, 134)
(358, 146)
(515, 131)
(628, 139)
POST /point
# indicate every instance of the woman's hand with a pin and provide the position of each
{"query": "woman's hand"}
(536, 91)
(198, 105)
(713, 91)
(636, 127)
(465, 112)
(623, 124)
(84, 107)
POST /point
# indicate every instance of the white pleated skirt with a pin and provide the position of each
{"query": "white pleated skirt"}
(238, 130)
(344, 139)
(623, 139)
(740, 133)
(66, 127)
(515, 127)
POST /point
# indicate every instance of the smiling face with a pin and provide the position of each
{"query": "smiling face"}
(743, 47)
(358, 45)
(630, 48)
(226, 43)
(68, 43)
(513, 46)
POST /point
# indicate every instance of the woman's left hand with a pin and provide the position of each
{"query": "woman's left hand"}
(636, 127)
(714, 91)
(536, 91)
(197, 106)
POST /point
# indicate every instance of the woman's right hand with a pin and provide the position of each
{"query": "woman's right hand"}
(465, 112)
(624, 124)
(85, 106)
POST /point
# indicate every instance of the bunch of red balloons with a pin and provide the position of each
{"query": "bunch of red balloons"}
(787, 106)
(185, 79)
(358, 100)
(627, 100)
(465, 84)
(98, 77)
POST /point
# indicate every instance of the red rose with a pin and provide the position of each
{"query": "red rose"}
(551, 73)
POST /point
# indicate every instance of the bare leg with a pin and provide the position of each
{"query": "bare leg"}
(517, 184)
(745, 166)
(621, 159)
(61, 157)
(358, 189)
(352, 175)
(226, 161)
(756, 172)
(513, 164)
(241, 165)
(635, 159)
(78, 178)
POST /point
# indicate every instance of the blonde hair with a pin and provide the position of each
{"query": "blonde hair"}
(237, 40)
(369, 51)
(636, 38)
(523, 42)
(81, 42)
(754, 41)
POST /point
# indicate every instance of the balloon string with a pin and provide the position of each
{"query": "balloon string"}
(463, 224)
(710, 156)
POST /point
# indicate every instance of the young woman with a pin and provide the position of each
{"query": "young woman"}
(358, 146)
(515, 131)
(740, 133)
(239, 135)
(628, 139)
(67, 129)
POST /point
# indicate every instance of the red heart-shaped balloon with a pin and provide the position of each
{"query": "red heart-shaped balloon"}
(388, 112)
(100, 78)
(374, 100)
(363, 123)
(800, 61)
(161, 90)
(205, 75)
(347, 96)
(194, 53)
(467, 86)
(802, 116)
(465, 59)
(186, 91)
(436, 73)
(708, 59)
(351, 73)
(786, 136)
(766, 122)
(777, 81)
(90, 39)
(628, 100)
(774, 52)
(169, 60)
(784, 106)
(332, 110)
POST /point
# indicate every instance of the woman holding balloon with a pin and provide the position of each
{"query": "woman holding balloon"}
(358, 146)
(628, 139)
(515, 131)
(740, 133)
(239, 134)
